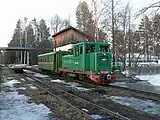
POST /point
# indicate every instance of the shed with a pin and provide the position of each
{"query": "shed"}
(70, 35)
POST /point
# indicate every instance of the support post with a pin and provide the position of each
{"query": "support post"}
(21, 57)
(28, 58)
(24, 57)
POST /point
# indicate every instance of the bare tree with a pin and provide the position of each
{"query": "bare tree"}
(155, 6)
(99, 8)
(57, 23)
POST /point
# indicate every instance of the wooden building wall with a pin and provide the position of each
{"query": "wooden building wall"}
(69, 36)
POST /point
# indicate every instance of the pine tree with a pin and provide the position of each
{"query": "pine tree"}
(15, 42)
(156, 33)
(85, 20)
(146, 34)
(44, 30)
(30, 36)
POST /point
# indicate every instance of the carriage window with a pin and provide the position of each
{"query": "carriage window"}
(90, 48)
(103, 48)
(81, 49)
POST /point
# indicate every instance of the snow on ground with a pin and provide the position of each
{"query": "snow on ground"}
(73, 85)
(152, 79)
(40, 75)
(147, 106)
(15, 107)
(10, 78)
(21, 88)
(148, 63)
(10, 83)
(126, 72)
(77, 86)
(59, 81)
(33, 87)
(23, 79)
(28, 71)
(95, 116)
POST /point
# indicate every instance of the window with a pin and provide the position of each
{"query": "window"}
(90, 48)
(76, 50)
(81, 49)
(103, 48)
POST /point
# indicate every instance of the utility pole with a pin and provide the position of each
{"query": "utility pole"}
(113, 35)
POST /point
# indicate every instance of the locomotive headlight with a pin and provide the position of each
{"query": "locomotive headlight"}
(109, 76)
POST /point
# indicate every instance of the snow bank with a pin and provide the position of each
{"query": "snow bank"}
(153, 79)
(15, 107)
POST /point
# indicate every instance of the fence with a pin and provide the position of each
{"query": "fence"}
(145, 69)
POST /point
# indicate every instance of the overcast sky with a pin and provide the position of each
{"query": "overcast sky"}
(12, 10)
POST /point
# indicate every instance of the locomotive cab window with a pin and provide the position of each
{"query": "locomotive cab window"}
(81, 50)
(104, 48)
(76, 50)
(90, 48)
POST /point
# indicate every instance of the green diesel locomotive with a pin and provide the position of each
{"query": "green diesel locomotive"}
(88, 59)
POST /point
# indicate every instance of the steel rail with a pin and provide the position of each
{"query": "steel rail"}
(115, 114)
(88, 117)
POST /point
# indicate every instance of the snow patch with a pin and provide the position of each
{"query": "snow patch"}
(152, 79)
(73, 85)
(123, 84)
(33, 87)
(40, 75)
(28, 71)
(148, 106)
(29, 79)
(23, 79)
(15, 107)
(96, 117)
(84, 109)
(59, 81)
(10, 78)
(10, 83)
(21, 88)
(126, 72)
(79, 88)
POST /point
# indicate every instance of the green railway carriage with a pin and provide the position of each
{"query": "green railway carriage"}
(51, 61)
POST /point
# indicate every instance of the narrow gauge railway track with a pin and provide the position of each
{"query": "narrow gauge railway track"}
(77, 102)
(145, 94)
(136, 92)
